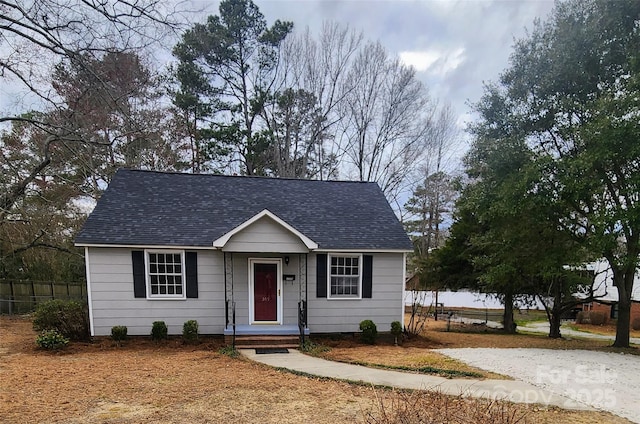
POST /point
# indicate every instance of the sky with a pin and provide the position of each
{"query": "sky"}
(455, 45)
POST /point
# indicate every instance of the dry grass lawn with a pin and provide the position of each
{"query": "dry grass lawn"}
(142, 382)
(417, 353)
(608, 329)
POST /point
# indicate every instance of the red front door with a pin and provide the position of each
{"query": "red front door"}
(265, 292)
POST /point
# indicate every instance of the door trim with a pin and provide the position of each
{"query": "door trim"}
(280, 292)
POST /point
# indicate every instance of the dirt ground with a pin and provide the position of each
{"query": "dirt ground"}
(142, 382)
(608, 329)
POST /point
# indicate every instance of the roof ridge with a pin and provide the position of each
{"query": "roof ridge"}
(256, 177)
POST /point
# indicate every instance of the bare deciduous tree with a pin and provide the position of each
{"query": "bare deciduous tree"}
(320, 66)
(387, 114)
(39, 33)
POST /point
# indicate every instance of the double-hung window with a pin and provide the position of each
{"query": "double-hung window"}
(345, 276)
(165, 274)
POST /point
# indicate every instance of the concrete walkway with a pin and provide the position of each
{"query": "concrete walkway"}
(510, 390)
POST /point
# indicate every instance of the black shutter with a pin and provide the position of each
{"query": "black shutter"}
(139, 273)
(191, 271)
(367, 276)
(321, 274)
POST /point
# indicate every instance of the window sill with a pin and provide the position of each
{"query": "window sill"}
(343, 298)
(166, 298)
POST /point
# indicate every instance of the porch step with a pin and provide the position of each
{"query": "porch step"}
(257, 341)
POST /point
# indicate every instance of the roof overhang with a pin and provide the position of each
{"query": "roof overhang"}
(144, 246)
(222, 241)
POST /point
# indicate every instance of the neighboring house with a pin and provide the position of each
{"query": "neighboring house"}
(254, 255)
(607, 294)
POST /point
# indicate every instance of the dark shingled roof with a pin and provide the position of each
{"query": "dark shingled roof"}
(172, 209)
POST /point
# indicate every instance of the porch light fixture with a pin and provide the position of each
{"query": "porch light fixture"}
(286, 260)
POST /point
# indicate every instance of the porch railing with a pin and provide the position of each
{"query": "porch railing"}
(233, 323)
(302, 320)
(231, 305)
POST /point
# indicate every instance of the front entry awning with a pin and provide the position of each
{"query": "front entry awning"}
(265, 233)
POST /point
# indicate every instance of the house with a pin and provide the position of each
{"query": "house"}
(606, 293)
(242, 255)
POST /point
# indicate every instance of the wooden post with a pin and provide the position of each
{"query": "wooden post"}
(11, 297)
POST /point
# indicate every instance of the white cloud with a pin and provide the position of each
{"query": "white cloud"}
(435, 62)
(421, 61)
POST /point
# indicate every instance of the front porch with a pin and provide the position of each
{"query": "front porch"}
(261, 314)
(265, 279)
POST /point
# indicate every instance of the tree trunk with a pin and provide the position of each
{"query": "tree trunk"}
(556, 310)
(508, 321)
(554, 323)
(624, 283)
(435, 312)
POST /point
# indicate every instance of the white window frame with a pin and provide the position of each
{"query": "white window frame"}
(147, 265)
(360, 268)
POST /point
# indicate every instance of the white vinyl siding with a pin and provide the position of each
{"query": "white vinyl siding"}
(113, 302)
(265, 236)
(330, 316)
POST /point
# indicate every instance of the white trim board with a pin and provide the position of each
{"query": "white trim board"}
(279, 293)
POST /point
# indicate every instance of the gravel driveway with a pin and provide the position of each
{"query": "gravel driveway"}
(606, 381)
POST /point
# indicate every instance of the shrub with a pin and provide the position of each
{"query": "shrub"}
(635, 324)
(119, 333)
(597, 318)
(396, 330)
(394, 407)
(70, 318)
(591, 317)
(229, 350)
(190, 331)
(51, 340)
(159, 330)
(369, 331)
(312, 348)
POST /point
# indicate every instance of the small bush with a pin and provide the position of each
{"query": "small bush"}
(159, 331)
(51, 340)
(70, 318)
(190, 331)
(119, 333)
(369, 331)
(598, 318)
(394, 407)
(592, 317)
(396, 330)
(312, 348)
(229, 351)
(635, 324)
